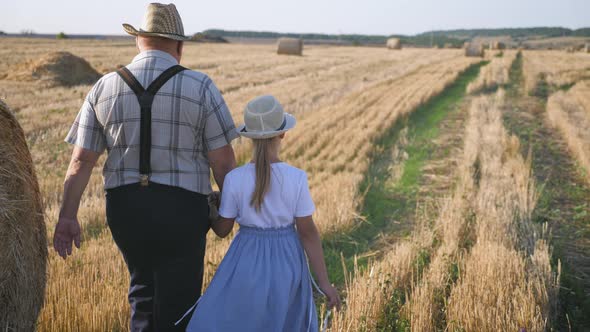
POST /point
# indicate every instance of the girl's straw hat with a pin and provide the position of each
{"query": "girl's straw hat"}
(264, 117)
(159, 21)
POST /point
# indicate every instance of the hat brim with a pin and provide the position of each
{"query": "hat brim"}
(134, 32)
(289, 124)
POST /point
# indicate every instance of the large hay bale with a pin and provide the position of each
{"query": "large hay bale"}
(23, 239)
(497, 45)
(290, 46)
(475, 50)
(394, 44)
(57, 68)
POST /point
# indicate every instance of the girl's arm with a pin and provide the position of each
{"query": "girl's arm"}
(310, 239)
(223, 226)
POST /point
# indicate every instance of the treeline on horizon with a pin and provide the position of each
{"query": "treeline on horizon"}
(430, 38)
(513, 32)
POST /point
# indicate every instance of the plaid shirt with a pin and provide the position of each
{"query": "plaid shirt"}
(189, 118)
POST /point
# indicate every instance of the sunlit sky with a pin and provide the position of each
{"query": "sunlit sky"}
(323, 16)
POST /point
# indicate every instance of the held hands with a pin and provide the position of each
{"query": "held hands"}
(332, 295)
(66, 231)
(214, 200)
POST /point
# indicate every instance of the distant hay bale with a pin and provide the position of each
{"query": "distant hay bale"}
(23, 239)
(586, 48)
(466, 45)
(290, 46)
(57, 68)
(475, 51)
(394, 44)
(497, 45)
(448, 45)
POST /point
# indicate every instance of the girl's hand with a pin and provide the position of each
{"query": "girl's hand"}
(332, 295)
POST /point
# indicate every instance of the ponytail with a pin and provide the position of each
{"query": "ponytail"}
(262, 152)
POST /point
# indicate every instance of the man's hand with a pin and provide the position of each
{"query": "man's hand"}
(77, 176)
(67, 231)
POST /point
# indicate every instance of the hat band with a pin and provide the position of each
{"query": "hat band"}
(280, 128)
(161, 32)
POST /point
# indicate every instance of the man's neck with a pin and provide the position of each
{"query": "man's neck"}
(173, 54)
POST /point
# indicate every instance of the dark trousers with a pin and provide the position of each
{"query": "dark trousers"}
(161, 232)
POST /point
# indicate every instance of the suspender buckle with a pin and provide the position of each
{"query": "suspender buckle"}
(143, 180)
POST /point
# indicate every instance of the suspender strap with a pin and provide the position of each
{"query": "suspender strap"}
(145, 97)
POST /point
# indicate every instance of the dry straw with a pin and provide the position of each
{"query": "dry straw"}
(394, 44)
(290, 46)
(55, 69)
(23, 239)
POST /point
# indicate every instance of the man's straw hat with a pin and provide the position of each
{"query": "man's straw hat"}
(159, 21)
(264, 117)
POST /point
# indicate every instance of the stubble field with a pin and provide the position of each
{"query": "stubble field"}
(433, 209)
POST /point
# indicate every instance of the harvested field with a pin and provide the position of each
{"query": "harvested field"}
(400, 178)
(554, 68)
(569, 112)
(495, 74)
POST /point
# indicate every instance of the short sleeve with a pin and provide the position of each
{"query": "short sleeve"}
(87, 132)
(229, 202)
(220, 129)
(305, 206)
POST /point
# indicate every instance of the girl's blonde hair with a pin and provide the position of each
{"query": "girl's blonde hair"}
(262, 150)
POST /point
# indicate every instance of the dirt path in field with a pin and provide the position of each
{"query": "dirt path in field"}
(564, 203)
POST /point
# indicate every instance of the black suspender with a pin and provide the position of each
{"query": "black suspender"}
(145, 99)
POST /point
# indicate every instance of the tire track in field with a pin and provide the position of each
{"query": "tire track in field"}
(563, 202)
(413, 162)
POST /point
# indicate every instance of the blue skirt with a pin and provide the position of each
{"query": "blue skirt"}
(262, 284)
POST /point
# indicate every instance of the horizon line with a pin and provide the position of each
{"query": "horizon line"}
(25, 32)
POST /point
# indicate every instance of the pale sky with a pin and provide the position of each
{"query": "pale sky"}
(321, 16)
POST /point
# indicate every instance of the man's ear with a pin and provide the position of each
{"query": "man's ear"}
(179, 48)
(281, 136)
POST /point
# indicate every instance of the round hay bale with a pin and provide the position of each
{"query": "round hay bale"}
(23, 238)
(57, 68)
(496, 45)
(394, 44)
(475, 51)
(586, 48)
(290, 46)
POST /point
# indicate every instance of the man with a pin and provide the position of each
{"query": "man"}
(161, 144)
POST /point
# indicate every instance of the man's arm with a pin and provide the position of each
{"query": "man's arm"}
(67, 229)
(222, 161)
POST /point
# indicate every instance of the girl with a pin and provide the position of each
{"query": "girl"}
(263, 283)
